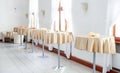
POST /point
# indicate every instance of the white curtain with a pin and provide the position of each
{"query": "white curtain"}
(33, 14)
(65, 15)
(67, 12)
(113, 16)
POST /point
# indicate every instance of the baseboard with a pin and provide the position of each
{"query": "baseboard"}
(78, 60)
(1, 40)
(54, 50)
(86, 63)
(113, 71)
(116, 69)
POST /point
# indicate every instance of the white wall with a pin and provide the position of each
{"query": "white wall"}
(45, 21)
(94, 20)
(12, 13)
(116, 60)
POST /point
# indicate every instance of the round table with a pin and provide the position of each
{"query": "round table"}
(58, 38)
(95, 45)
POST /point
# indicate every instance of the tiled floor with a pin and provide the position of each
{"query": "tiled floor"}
(15, 59)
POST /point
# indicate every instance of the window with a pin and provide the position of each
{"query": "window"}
(61, 15)
(33, 14)
(114, 18)
(116, 32)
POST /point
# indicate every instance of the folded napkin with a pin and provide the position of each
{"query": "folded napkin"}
(92, 34)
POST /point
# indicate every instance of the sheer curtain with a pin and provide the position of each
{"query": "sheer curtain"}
(113, 17)
(33, 14)
(66, 18)
(66, 22)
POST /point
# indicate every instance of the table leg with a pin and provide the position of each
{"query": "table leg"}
(43, 52)
(32, 45)
(94, 62)
(26, 42)
(70, 48)
(104, 65)
(43, 48)
(58, 56)
(21, 40)
(59, 67)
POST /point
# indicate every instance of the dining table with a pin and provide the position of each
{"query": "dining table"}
(96, 44)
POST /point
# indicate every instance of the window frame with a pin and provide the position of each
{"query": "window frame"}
(117, 39)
